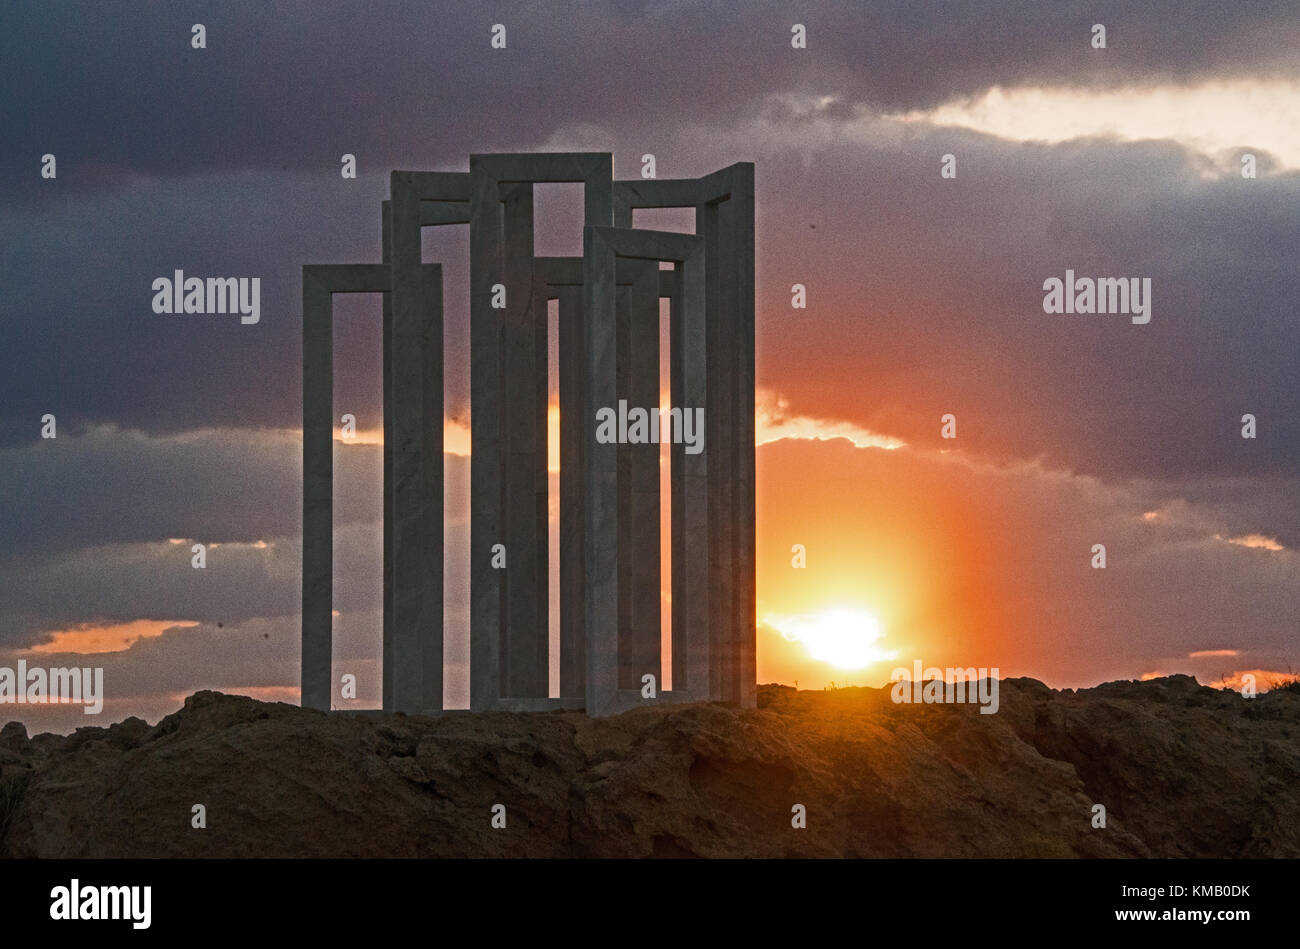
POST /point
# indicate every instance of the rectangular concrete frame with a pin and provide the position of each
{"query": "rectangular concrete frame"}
(724, 206)
(413, 444)
(444, 199)
(560, 278)
(319, 284)
(639, 573)
(509, 651)
(602, 248)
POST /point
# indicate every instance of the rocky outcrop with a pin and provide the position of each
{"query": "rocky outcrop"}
(1182, 770)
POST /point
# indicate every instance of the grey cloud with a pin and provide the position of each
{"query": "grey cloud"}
(87, 522)
(293, 86)
(111, 486)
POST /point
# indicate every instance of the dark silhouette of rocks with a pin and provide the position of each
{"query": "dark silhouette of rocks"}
(1183, 770)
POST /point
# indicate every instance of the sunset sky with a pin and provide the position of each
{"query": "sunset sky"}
(925, 297)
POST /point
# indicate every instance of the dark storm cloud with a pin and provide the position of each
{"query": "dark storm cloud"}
(926, 298)
(113, 91)
(113, 487)
(105, 586)
(85, 345)
(938, 282)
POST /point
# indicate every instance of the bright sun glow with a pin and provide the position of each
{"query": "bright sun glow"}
(842, 637)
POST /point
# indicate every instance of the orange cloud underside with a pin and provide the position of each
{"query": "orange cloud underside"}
(1265, 679)
(88, 639)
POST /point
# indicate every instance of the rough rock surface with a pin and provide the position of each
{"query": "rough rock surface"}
(1182, 769)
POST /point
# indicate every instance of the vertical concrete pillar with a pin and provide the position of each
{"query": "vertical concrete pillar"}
(386, 230)
(719, 435)
(487, 436)
(694, 493)
(741, 220)
(524, 649)
(681, 569)
(573, 637)
(600, 329)
(538, 313)
(317, 492)
(637, 311)
(429, 550)
(415, 374)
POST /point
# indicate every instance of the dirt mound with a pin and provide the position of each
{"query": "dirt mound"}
(1182, 770)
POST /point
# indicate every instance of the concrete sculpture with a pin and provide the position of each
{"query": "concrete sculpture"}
(610, 570)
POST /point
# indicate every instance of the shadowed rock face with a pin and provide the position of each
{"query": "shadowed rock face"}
(1183, 770)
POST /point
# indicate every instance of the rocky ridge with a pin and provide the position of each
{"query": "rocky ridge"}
(1183, 771)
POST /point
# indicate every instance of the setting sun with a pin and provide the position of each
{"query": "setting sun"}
(843, 637)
